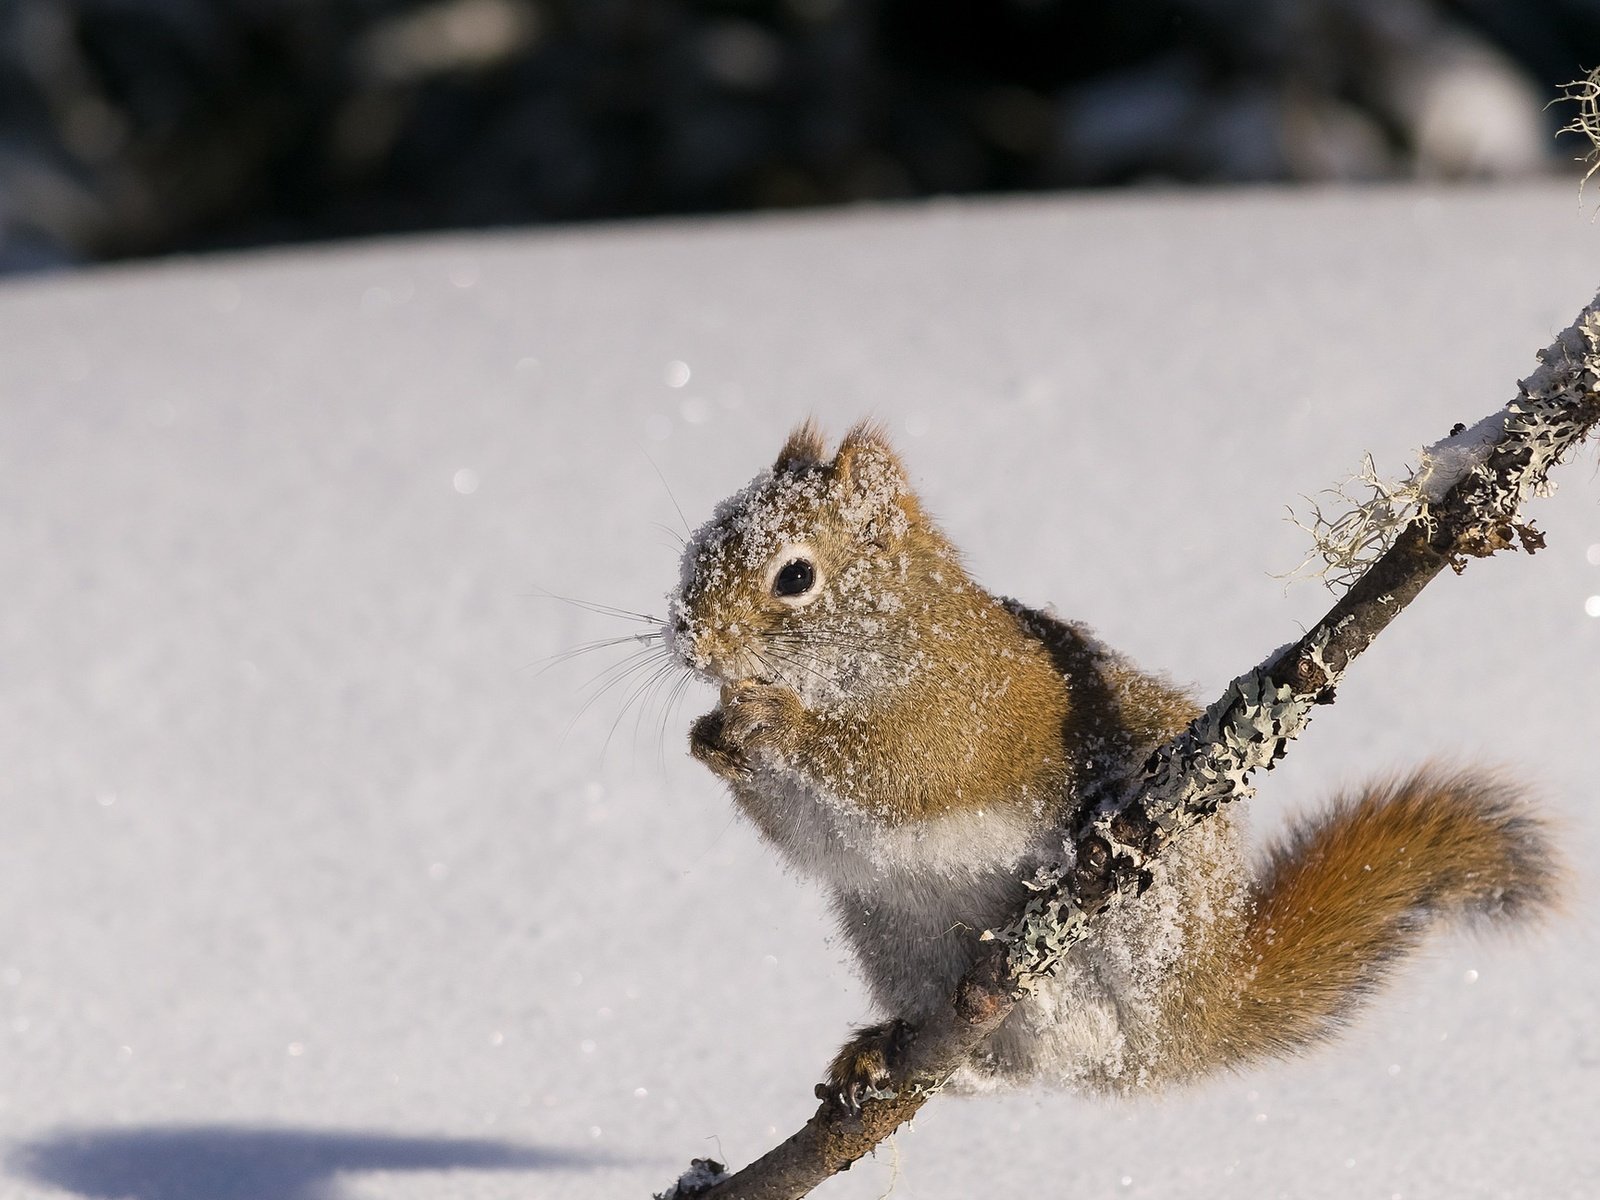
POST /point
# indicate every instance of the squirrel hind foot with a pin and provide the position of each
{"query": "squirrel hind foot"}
(865, 1065)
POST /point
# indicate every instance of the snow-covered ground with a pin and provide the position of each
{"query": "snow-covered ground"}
(314, 886)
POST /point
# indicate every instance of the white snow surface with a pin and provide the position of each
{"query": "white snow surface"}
(314, 886)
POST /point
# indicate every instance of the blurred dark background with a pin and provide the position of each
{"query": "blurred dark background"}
(137, 127)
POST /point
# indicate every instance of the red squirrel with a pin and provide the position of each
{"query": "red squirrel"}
(920, 747)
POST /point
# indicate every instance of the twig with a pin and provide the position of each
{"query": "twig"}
(1498, 464)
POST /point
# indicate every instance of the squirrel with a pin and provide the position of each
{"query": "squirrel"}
(921, 746)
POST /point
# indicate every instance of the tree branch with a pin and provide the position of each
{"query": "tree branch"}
(1473, 487)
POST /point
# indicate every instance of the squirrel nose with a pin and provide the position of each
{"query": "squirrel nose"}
(678, 638)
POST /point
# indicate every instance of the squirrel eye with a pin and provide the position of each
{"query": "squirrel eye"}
(795, 579)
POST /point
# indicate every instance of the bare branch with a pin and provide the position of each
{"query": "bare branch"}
(1473, 486)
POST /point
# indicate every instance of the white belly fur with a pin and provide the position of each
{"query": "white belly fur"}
(911, 898)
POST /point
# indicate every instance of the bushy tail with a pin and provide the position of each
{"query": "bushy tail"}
(1346, 895)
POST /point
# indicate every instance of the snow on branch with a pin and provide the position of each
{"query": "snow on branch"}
(1464, 501)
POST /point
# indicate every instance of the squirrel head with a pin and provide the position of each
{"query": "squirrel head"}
(812, 575)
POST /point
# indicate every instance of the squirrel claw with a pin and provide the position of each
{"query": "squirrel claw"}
(863, 1069)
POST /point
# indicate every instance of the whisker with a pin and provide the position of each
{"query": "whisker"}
(814, 645)
(649, 681)
(605, 610)
(766, 662)
(544, 664)
(674, 698)
(662, 679)
(633, 668)
(633, 660)
(867, 645)
(822, 665)
(794, 656)
(682, 541)
(812, 639)
(668, 488)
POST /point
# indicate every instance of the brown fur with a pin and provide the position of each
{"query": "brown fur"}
(1342, 899)
(997, 754)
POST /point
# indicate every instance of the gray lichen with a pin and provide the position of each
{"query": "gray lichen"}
(1549, 417)
(1585, 93)
(1368, 514)
(1051, 923)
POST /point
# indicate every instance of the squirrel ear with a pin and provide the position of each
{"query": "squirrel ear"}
(870, 471)
(804, 448)
(865, 458)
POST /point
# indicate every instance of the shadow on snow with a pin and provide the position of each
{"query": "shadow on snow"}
(233, 1163)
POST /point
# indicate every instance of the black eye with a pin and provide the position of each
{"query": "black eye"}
(795, 579)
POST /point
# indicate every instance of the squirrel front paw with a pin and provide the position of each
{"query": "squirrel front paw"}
(707, 744)
(862, 1070)
(753, 718)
